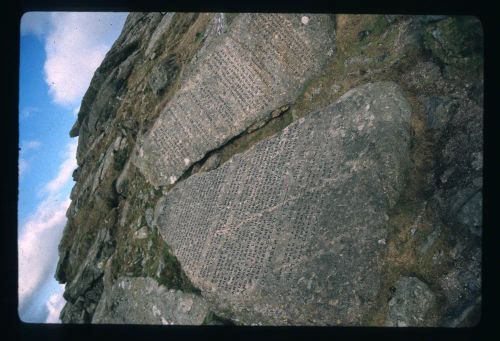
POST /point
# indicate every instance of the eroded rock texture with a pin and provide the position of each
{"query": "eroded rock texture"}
(280, 169)
(410, 304)
(139, 300)
(287, 232)
(259, 64)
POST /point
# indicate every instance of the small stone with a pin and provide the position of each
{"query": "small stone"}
(212, 162)
(277, 112)
(363, 34)
(333, 302)
(305, 20)
(161, 267)
(116, 144)
(142, 233)
(149, 215)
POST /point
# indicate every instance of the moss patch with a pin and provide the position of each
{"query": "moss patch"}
(199, 36)
(457, 42)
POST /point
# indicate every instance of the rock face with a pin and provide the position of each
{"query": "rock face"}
(411, 302)
(139, 300)
(287, 232)
(280, 169)
(259, 64)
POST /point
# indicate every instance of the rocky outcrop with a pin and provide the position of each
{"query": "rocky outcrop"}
(139, 300)
(275, 235)
(280, 169)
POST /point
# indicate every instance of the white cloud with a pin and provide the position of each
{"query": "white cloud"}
(76, 110)
(23, 166)
(36, 23)
(40, 235)
(26, 146)
(28, 111)
(54, 306)
(75, 46)
(65, 171)
(37, 245)
(30, 145)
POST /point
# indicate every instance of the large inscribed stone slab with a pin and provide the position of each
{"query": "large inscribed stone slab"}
(260, 63)
(290, 231)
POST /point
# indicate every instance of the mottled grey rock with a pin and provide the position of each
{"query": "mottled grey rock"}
(439, 111)
(104, 165)
(149, 215)
(429, 241)
(140, 300)
(92, 268)
(456, 42)
(287, 232)
(463, 283)
(126, 67)
(217, 25)
(159, 33)
(410, 303)
(102, 98)
(73, 312)
(437, 60)
(211, 163)
(470, 214)
(468, 315)
(460, 165)
(163, 74)
(121, 184)
(260, 63)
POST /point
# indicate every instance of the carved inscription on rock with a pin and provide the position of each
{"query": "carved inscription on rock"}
(288, 231)
(259, 64)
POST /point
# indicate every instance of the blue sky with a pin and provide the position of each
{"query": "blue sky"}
(59, 54)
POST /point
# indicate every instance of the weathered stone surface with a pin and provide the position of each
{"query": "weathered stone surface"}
(212, 162)
(440, 110)
(259, 64)
(410, 303)
(163, 74)
(140, 300)
(456, 42)
(287, 232)
(159, 33)
(141, 233)
(93, 267)
(462, 285)
(436, 60)
(73, 312)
